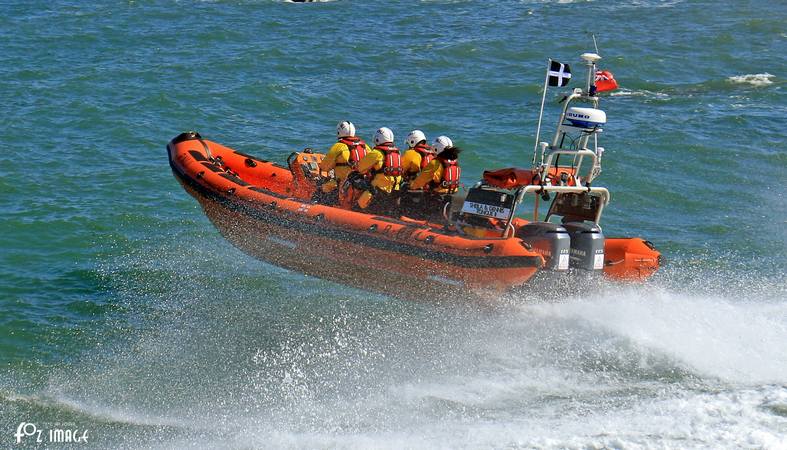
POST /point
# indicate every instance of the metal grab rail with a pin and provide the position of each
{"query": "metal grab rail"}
(581, 153)
(576, 189)
(538, 189)
(575, 152)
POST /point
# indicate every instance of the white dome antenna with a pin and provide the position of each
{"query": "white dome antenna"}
(590, 58)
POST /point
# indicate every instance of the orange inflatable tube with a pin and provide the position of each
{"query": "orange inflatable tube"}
(265, 209)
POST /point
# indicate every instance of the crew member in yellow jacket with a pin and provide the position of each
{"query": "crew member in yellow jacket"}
(344, 155)
(441, 175)
(384, 164)
(418, 154)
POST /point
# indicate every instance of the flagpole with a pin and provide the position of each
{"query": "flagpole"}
(541, 112)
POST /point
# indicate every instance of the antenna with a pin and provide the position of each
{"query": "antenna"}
(594, 43)
(590, 59)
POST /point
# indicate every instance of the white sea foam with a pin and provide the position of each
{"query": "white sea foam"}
(629, 367)
(640, 93)
(734, 340)
(727, 419)
(587, 373)
(757, 79)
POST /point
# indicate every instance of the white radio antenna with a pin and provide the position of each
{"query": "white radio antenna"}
(594, 43)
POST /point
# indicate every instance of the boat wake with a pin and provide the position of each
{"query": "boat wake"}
(252, 355)
(51, 402)
(731, 339)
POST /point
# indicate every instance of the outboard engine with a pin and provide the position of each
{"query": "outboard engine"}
(551, 240)
(587, 245)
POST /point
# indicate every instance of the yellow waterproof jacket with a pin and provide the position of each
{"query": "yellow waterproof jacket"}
(432, 175)
(413, 160)
(373, 162)
(337, 159)
(411, 163)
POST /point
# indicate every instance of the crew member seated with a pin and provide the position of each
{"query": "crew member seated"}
(343, 156)
(439, 180)
(418, 154)
(384, 164)
(441, 175)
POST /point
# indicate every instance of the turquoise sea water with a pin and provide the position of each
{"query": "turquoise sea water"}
(124, 312)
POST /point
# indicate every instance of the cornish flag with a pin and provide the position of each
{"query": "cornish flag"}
(559, 73)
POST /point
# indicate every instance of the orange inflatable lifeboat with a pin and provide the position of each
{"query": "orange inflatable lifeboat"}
(475, 245)
(266, 210)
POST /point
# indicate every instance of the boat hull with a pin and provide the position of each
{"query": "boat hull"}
(266, 211)
(357, 264)
(405, 259)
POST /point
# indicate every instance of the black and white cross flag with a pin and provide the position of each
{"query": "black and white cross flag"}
(559, 74)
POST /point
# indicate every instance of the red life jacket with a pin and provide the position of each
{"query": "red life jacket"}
(427, 155)
(392, 161)
(451, 174)
(357, 149)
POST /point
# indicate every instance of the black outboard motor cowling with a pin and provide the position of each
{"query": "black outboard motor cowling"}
(587, 245)
(550, 240)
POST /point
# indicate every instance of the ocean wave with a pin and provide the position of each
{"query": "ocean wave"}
(757, 79)
(640, 93)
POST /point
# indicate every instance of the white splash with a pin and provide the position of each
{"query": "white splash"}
(757, 79)
(739, 341)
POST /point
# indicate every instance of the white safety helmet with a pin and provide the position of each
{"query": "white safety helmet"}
(383, 135)
(441, 143)
(414, 138)
(345, 129)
